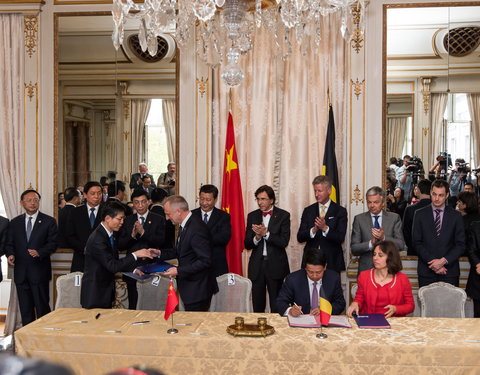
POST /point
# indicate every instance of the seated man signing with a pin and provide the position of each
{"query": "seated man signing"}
(302, 289)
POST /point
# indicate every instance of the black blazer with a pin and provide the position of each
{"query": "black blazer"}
(3, 240)
(473, 283)
(43, 239)
(77, 233)
(407, 223)
(101, 264)
(295, 290)
(450, 244)
(128, 210)
(331, 245)
(195, 279)
(279, 227)
(134, 181)
(220, 233)
(63, 216)
(169, 241)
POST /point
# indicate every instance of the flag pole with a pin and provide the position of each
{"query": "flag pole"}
(172, 330)
(321, 335)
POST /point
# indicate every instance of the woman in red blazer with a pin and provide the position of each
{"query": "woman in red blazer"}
(383, 289)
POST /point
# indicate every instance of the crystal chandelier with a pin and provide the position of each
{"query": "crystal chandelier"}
(225, 26)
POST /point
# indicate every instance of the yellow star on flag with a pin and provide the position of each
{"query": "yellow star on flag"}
(231, 164)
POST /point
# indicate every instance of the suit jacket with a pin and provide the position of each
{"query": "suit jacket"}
(148, 191)
(63, 216)
(450, 244)
(399, 292)
(78, 231)
(473, 283)
(169, 241)
(3, 240)
(195, 279)
(408, 223)
(134, 181)
(43, 239)
(101, 264)
(362, 234)
(220, 233)
(128, 210)
(279, 228)
(295, 290)
(152, 238)
(331, 244)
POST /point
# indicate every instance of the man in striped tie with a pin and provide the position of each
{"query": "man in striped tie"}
(439, 238)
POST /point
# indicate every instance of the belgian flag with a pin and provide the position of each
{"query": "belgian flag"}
(329, 167)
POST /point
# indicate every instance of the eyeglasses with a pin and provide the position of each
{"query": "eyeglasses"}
(262, 199)
(120, 218)
(32, 200)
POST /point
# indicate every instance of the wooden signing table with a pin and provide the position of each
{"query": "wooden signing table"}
(412, 346)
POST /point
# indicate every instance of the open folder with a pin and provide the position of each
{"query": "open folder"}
(371, 321)
(149, 269)
(311, 321)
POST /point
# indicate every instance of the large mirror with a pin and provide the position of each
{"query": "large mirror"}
(432, 81)
(114, 109)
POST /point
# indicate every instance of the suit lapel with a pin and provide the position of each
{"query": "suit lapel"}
(273, 218)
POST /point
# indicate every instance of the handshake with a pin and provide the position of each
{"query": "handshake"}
(147, 253)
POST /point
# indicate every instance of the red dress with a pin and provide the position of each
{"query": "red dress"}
(372, 297)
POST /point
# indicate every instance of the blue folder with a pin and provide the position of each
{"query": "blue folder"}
(371, 321)
(156, 267)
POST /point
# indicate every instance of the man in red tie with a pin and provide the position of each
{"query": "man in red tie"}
(267, 235)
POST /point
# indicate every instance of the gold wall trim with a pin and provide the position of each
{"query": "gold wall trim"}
(357, 87)
(31, 33)
(357, 37)
(22, 2)
(32, 89)
(357, 196)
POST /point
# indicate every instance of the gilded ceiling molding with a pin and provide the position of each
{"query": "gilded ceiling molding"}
(31, 33)
(357, 196)
(426, 81)
(357, 87)
(31, 89)
(202, 86)
(357, 36)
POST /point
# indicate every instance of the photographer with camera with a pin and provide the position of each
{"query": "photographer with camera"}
(438, 171)
(458, 177)
(167, 180)
(405, 175)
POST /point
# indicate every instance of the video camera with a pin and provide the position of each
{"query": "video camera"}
(415, 164)
(463, 168)
(445, 160)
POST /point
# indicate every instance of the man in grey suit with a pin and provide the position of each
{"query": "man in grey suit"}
(374, 226)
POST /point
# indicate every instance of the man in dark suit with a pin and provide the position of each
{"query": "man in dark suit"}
(142, 230)
(3, 240)
(424, 188)
(374, 226)
(146, 186)
(157, 197)
(439, 238)
(116, 193)
(72, 198)
(324, 225)
(82, 222)
(195, 278)
(218, 222)
(302, 289)
(102, 261)
(32, 238)
(267, 235)
(136, 179)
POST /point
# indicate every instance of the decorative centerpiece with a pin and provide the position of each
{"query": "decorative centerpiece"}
(261, 329)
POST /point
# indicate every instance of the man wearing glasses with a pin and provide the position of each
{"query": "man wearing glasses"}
(267, 235)
(32, 238)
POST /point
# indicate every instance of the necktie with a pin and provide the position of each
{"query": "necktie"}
(265, 213)
(112, 241)
(180, 229)
(376, 224)
(92, 217)
(323, 212)
(205, 218)
(142, 220)
(29, 228)
(437, 222)
(314, 303)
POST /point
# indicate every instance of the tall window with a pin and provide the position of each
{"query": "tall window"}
(156, 140)
(459, 128)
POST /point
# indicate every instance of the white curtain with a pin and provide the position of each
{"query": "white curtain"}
(437, 136)
(274, 95)
(474, 108)
(396, 135)
(169, 115)
(11, 129)
(140, 109)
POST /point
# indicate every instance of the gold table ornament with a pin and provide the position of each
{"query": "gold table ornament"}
(261, 329)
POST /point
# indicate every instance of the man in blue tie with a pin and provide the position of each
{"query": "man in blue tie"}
(374, 226)
(32, 238)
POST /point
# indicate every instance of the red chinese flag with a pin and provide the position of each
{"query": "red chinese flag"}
(172, 301)
(232, 201)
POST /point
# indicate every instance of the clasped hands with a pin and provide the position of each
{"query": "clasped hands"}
(437, 266)
(147, 253)
(260, 231)
(377, 235)
(320, 224)
(137, 229)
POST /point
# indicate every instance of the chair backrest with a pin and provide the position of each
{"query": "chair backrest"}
(68, 290)
(153, 292)
(442, 300)
(234, 295)
(353, 291)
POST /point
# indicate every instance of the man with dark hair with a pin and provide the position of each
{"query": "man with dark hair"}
(146, 185)
(469, 188)
(167, 180)
(267, 235)
(324, 224)
(302, 289)
(404, 177)
(374, 226)
(82, 222)
(438, 237)
(218, 223)
(136, 179)
(73, 198)
(32, 238)
(102, 261)
(157, 197)
(142, 230)
(116, 193)
(195, 278)
(424, 188)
